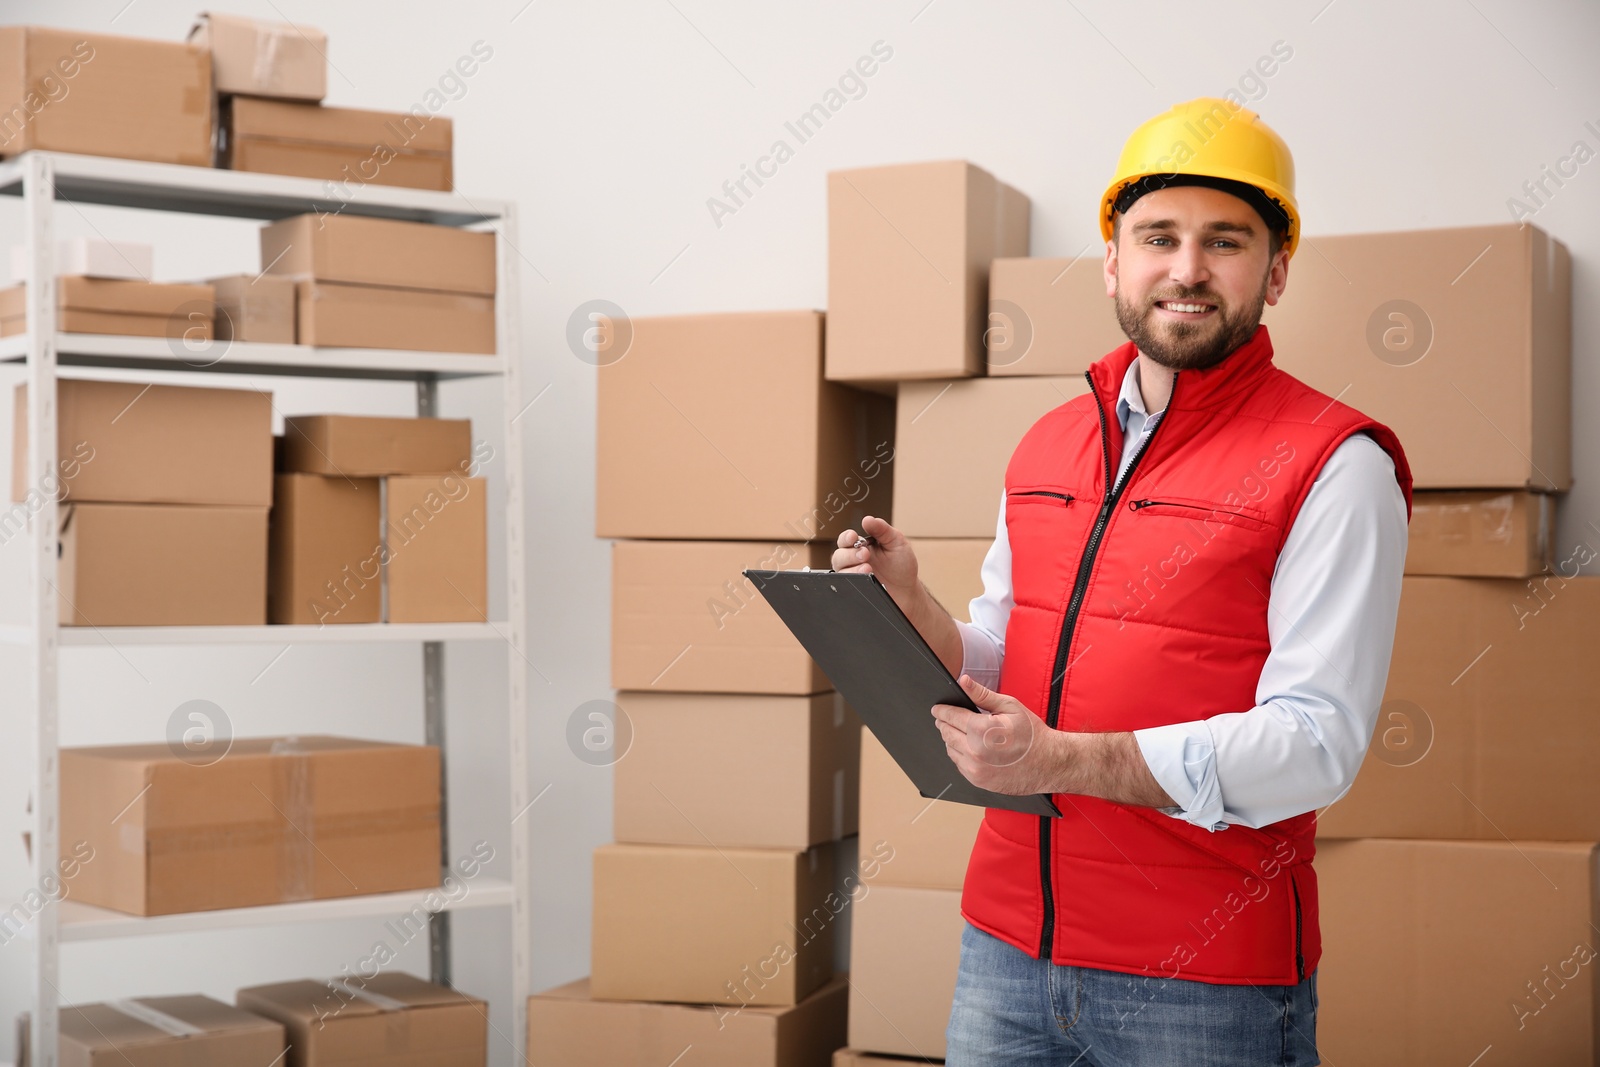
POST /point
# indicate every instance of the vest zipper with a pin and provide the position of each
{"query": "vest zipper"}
(1080, 585)
(1299, 954)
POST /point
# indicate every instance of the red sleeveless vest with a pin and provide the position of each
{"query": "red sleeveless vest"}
(1144, 607)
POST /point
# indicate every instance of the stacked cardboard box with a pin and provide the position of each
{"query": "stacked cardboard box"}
(85, 304)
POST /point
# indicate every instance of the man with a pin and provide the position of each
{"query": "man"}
(1193, 584)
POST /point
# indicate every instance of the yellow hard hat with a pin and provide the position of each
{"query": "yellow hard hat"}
(1208, 141)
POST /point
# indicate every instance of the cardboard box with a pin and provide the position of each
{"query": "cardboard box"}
(1049, 316)
(1436, 951)
(567, 1027)
(115, 306)
(909, 248)
(905, 948)
(391, 1018)
(698, 762)
(685, 619)
(336, 144)
(849, 1057)
(953, 441)
(362, 446)
(386, 252)
(721, 426)
(262, 821)
(724, 926)
(932, 839)
(99, 95)
(436, 537)
(276, 59)
(159, 1032)
(125, 442)
(1459, 340)
(1487, 727)
(258, 308)
(1480, 534)
(414, 320)
(325, 550)
(162, 565)
(93, 257)
(952, 569)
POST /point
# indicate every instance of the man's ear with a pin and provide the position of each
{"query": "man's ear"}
(1110, 268)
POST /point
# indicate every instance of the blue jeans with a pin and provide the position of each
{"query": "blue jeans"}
(1015, 1010)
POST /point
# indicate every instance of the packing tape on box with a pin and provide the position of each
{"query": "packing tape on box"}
(397, 1022)
(377, 1000)
(269, 42)
(298, 848)
(167, 1024)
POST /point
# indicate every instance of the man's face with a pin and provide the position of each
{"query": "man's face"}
(1191, 269)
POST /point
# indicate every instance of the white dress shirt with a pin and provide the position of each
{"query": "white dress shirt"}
(1330, 619)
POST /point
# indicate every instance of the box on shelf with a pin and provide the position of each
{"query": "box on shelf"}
(905, 947)
(724, 926)
(568, 1027)
(258, 308)
(181, 312)
(931, 839)
(1049, 316)
(336, 144)
(162, 565)
(392, 1018)
(334, 315)
(721, 426)
(273, 59)
(696, 760)
(952, 569)
(1459, 340)
(361, 446)
(1435, 950)
(909, 248)
(325, 550)
(392, 253)
(93, 257)
(177, 1030)
(1489, 703)
(248, 822)
(127, 442)
(436, 530)
(99, 95)
(1480, 534)
(953, 441)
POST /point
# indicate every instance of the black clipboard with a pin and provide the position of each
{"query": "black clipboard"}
(883, 668)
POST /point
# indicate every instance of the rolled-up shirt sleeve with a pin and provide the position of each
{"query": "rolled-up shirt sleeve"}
(983, 640)
(1331, 616)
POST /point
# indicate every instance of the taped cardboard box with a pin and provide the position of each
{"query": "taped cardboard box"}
(93, 257)
(181, 1031)
(568, 1027)
(325, 554)
(931, 840)
(258, 308)
(1480, 534)
(333, 315)
(1487, 728)
(696, 762)
(685, 619)
(436, 548)
(249, 821)
(953, 441)
(364, 446)
(162, 565)
(1459, 340)
(386, 252)
(128, 442)
(1049, 316)
(722, 926)
(180, 312)
(343, 145)
(391, 1018)
(721, 426)
(909, 248)
(905, 948)
(99, 95)
(952, 569)
(274, 59)
(1436, 951)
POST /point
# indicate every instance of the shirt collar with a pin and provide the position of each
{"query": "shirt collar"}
(1130, 399)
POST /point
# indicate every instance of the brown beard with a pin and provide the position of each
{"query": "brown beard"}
(1191, 345)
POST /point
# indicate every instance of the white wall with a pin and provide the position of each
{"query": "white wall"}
(612, 123)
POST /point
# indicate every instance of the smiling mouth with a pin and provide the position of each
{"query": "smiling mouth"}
(1186, 308)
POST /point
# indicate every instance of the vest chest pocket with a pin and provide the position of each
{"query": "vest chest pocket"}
(1203, 511)
(1048, 497)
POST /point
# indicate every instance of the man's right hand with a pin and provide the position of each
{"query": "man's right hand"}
(891, 559)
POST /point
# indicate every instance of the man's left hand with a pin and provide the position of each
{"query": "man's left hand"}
(1004, 748)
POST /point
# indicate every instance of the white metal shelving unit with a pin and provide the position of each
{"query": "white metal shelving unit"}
(41, 179)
